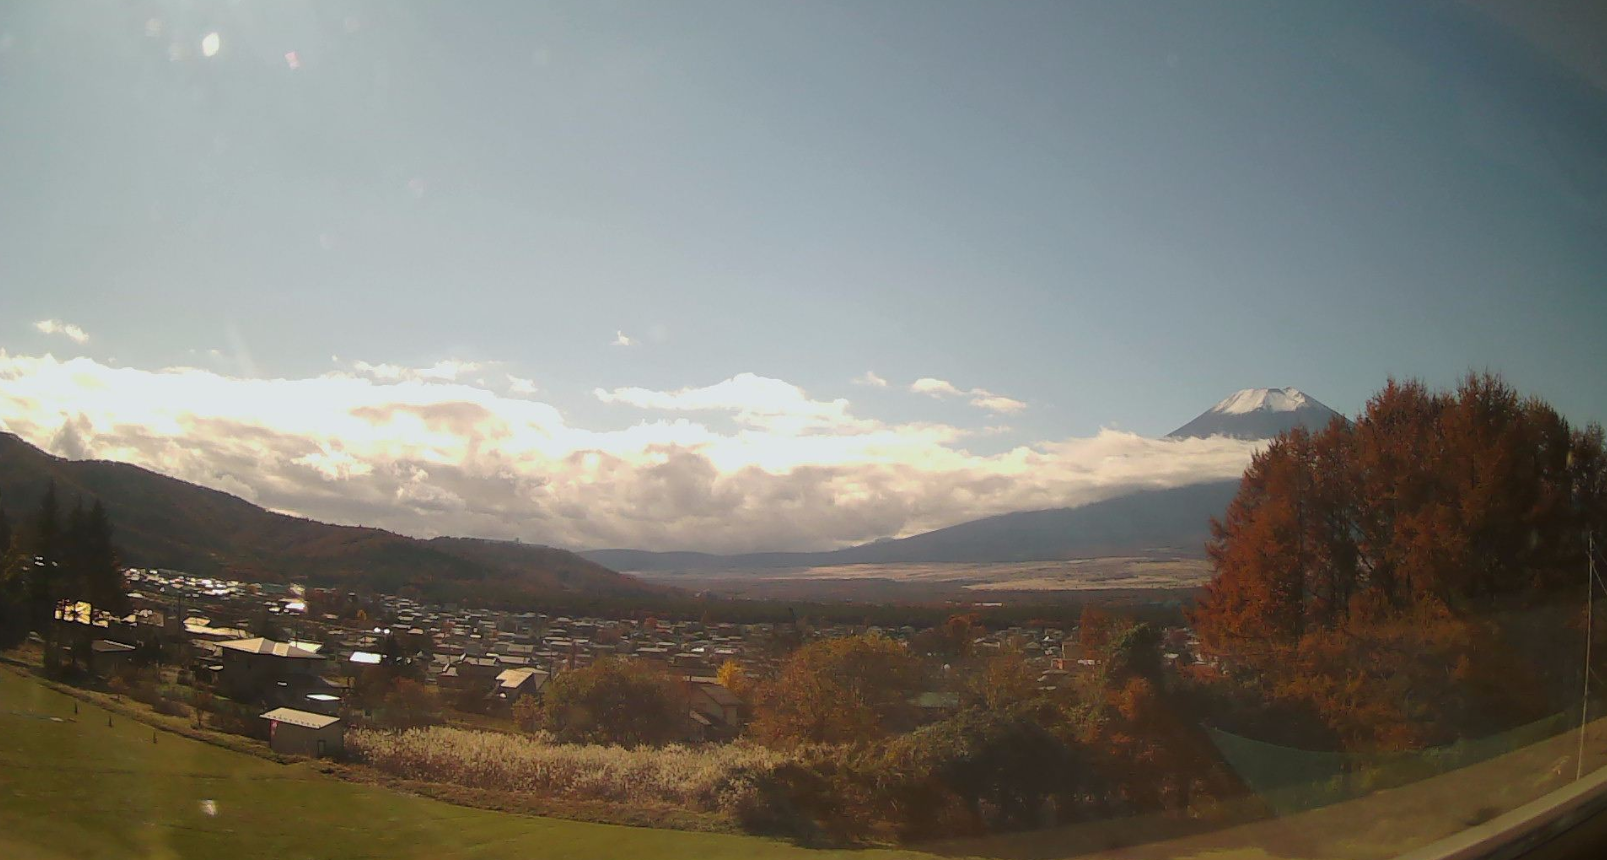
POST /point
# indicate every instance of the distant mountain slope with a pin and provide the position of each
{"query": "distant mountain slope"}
(1258, 413)
(165, 522)
(1160, 522)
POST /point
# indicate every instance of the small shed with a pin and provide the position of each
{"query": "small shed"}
(294, 732)
(107, 656)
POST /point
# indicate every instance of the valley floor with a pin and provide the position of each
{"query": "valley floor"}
(1018, 581)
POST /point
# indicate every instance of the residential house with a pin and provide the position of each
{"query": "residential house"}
(726, 714)
(262, 670)
(515, 684)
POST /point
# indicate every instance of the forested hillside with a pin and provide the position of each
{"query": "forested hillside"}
(166, 522)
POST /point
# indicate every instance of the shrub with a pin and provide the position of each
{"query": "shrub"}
(824, 795)
(527, 714)
(710, 779)
(408, 704)
(171, 707)
(615, 701)
(978, 771)
(845, 690)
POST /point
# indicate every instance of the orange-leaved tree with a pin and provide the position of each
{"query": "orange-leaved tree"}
(841, 690)
(1394, 550)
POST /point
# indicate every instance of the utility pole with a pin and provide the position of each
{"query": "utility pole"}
(1590, 629)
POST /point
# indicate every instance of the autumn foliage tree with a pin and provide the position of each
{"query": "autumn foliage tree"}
(841, 690)
(951, 640)
(1003, 680)
(733, 677)
(615, 701)
(1366, 569)
(1142, 732)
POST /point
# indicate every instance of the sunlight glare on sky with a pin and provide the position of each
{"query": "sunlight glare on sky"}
(783, 275)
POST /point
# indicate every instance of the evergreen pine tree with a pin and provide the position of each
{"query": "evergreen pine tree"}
(71, 575)
(102, 575)
(5, 529)
(41, 560)
(47, 524)
(13, 588)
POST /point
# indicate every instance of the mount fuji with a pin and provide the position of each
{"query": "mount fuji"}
(1258, 413)
(1166, 523)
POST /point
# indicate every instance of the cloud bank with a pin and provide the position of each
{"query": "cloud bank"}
(427, 454)
(446, 370)
(68, 330)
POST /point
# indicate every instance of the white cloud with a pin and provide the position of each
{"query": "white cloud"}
(935, 387)
(65, 329)
(429, 456)
(520, 385)
(622, 339)
(448, 369)
(980, 397)
(754, 400)
(995, 402)
(870, 378)
(380, 371)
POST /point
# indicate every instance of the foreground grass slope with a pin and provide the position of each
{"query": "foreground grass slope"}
(70, 787)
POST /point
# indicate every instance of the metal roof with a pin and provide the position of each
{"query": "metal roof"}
(268, 646)
(304, 719)
(516, 677)
(721, 696)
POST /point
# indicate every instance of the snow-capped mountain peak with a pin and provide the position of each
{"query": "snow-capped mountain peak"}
(1258, 413)
(1262, 400)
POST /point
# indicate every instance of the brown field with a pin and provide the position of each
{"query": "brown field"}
(1004, 581)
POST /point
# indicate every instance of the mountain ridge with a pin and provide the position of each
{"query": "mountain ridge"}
(1173, 521)
(1161, 522)
(162, 521)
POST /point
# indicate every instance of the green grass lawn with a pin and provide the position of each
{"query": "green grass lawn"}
(70, 787)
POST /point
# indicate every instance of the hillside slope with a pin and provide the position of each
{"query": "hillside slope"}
(165, 522)
(1152, 522)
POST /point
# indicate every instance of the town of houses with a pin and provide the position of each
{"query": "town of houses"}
(304, 674)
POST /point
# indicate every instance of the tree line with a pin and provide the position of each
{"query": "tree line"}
(55, 559)
(1418, 575)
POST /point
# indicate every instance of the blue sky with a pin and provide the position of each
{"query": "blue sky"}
(1114, 214)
